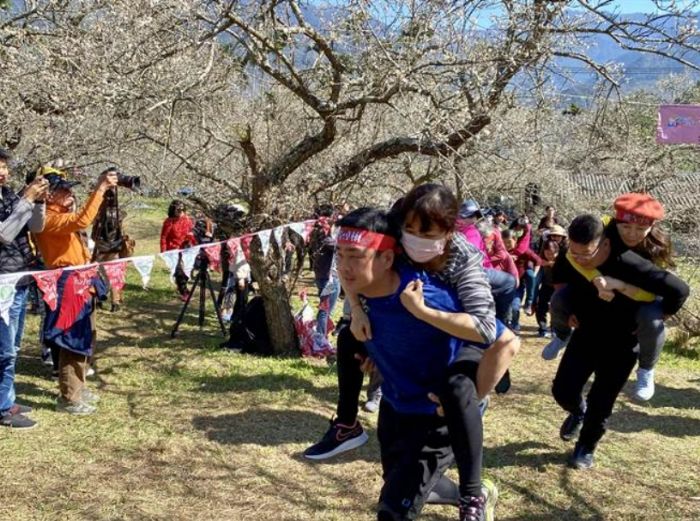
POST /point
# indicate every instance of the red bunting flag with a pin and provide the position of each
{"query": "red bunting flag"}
(213, 253)
(245, 245)
(46, 282)
(76, 294)
(116, 274)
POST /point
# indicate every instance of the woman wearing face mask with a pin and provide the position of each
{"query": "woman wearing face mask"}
(634, 227)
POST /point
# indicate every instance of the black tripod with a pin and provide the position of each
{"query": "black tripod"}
(201, 280)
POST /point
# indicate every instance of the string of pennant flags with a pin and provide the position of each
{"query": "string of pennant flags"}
(115, 270)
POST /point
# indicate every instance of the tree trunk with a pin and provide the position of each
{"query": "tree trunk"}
(268, 273)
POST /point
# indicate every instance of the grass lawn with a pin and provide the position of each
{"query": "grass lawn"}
(188, 432)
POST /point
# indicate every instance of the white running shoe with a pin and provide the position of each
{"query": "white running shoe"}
(644, 388)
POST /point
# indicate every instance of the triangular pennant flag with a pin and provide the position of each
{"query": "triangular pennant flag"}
(245, 245)
(171, 259)
(7, 294)
(278, 234)
(188, 257)
(116, 274)
(46, 282)
(308, 228)
(76, 295)
(213, 252)
(298, 228)
(144, 265)
(233, 247)
(265, 241)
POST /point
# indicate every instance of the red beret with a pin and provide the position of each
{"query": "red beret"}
(638, 209)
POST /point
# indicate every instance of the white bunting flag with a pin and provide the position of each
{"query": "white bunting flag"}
(144, 265)
(298, 228)
(7, 294)
(171, 259)
(188, 257)
(265, 241)
(278, 233)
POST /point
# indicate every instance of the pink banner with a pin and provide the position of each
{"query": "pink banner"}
(46, 282)
(678, 124)
(116, 274)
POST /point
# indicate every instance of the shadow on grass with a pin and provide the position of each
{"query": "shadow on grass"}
(685, 398)
(628, 419)
(271, 427)
(532, 454)
(542, 509)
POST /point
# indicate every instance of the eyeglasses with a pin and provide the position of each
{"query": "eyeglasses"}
(587, 255)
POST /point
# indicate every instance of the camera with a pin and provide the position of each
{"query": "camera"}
(132, 182)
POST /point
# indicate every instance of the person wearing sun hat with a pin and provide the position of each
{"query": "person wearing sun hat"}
(634, 226)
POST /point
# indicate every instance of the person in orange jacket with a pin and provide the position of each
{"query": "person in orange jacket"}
(61, 245)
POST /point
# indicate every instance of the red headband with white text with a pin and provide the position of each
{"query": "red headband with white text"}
(632, 218)
(365, 239)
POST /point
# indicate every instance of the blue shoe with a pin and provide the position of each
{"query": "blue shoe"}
(551, 350)
(581, 458)
(571, 427)
(644, 388)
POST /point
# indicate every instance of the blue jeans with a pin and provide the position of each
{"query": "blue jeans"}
(9, 334)
(328, 291)
(531, 282)
(515, 307)
(503, 291)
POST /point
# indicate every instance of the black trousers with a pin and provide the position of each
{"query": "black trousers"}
(544, 295)
(610, 361)
(415, 453)
(457, 394)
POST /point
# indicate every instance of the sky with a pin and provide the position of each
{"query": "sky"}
(641, 6)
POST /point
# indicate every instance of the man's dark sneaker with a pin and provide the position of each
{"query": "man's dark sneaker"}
(115, 307)
(472, 508)
(503, 386)
(581, 458)
(338, 439)
(571, 427)
(16, 421)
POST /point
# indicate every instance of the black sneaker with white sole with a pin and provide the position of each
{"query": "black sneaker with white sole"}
(338, 439)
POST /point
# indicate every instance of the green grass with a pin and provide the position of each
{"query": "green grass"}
(187, 432)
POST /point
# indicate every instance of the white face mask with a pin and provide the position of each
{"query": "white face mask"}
(422, 250)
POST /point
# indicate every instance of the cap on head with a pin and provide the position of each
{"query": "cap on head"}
(557, 230)
(637, 208)
(57, 182)
(469, 208)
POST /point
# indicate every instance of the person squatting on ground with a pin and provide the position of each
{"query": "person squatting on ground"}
(456, 389)
(68, 329)
(603, 342)
(176, 234)
(19, 214)
(633, 227)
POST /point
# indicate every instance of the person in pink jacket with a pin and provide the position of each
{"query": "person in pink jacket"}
(502, 274)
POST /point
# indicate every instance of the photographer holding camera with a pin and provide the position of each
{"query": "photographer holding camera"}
(19, 214)
(107, 233)
(61, 245)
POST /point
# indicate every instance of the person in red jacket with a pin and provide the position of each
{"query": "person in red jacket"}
(525, 260)
(176, 234)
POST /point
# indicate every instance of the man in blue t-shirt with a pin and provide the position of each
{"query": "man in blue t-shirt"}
(415, 360)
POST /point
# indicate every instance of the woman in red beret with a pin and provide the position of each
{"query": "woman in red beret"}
(634, 227)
